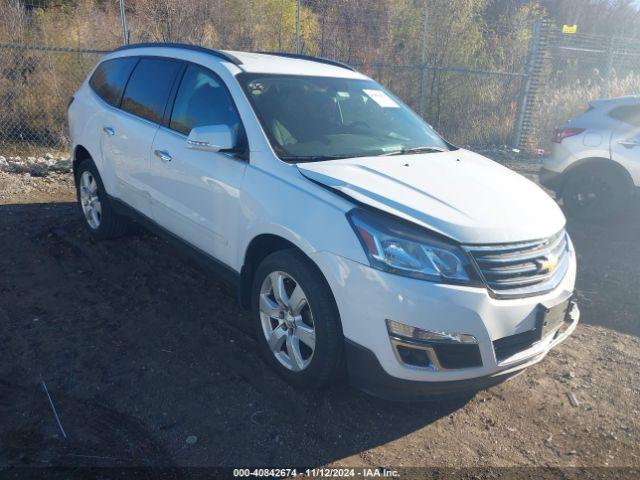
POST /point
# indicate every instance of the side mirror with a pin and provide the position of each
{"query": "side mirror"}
(211, 138)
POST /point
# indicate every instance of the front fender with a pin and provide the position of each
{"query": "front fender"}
(285, 204)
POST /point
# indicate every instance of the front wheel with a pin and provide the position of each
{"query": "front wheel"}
(297, 322)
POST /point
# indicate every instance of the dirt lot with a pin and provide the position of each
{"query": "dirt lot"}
(148, 363)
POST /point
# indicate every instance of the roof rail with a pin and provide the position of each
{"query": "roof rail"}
(196, 48)
(311, 58)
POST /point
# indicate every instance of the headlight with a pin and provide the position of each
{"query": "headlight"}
(398, 247)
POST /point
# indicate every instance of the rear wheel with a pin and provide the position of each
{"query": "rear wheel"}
(595, 193)
(99, 216)
(297, 323)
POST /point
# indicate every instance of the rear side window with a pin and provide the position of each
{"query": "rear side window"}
(149, 86)
(203, 100)
(110, 77)
(628, 114)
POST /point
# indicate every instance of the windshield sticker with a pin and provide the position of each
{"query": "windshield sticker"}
(343, 94)
(381, 98)
(391, 148)
(256, 88)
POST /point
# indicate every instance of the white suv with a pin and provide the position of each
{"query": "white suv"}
(595, 159)
(359, 238)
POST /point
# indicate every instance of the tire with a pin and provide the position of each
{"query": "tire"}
(595, 193)
(106, 223)
(312, 368)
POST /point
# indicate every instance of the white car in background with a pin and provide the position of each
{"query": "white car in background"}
(354, 233)
(595, 160)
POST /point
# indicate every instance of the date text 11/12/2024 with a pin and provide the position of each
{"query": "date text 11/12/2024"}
(316, 472)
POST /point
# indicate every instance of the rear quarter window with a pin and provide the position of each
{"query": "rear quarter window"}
(149, 87)
(110, 78)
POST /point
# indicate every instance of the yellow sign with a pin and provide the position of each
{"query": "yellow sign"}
(569, 28)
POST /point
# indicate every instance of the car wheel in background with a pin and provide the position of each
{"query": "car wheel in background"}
(99, 217)
(595, 193)
(297, 322)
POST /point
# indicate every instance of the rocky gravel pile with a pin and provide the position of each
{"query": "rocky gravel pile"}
(21, 184)
(36, 166)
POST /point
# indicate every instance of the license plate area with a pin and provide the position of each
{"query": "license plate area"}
(551, 318)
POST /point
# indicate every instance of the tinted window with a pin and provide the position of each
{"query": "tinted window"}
(110, 77)
(202, 100)
(628, 114)
(316, 118)
(149, 87)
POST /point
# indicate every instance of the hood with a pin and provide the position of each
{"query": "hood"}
(459, 194)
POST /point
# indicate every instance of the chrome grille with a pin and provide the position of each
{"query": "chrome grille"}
(524, 268)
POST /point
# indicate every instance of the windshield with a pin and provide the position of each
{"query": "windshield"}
(319, 118)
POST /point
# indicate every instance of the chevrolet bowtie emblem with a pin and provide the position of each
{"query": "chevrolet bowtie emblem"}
(547, 264)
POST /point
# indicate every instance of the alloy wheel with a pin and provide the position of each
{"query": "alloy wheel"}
(287, 321)
(89, 200)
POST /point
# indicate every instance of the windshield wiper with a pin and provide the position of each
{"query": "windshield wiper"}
(315, 158)
(320, 158)
(410, 151)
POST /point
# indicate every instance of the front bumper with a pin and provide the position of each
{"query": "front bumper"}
(366, 373)
(366, 298)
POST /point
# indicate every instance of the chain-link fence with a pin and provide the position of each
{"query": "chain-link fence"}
(479, 84)
(36, 84)
(468, 106)
(436, 65)
(577, 68)
(468, 102)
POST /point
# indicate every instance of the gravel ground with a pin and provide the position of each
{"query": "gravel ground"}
(148, 362)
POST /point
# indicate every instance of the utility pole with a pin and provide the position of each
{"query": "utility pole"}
(123, 19)
(298, 27)
(423, 61)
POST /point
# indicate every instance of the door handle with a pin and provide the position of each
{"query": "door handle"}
(162, 155)
(109, 131)
(629, 143)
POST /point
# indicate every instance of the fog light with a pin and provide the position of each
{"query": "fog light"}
(414, 356)
(417, 334)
